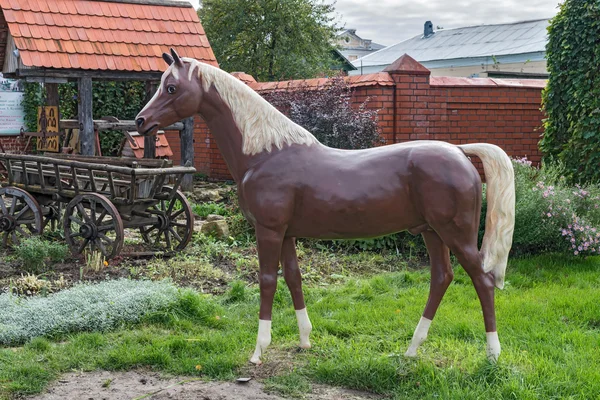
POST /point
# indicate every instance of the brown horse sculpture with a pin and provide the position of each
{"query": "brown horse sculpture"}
(290, 186)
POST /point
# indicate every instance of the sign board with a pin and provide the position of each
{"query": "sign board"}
(49, 143)
(12, 114)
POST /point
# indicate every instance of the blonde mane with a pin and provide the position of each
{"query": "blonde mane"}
(262, 125)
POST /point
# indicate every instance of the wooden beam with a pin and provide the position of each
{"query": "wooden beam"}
(187, 152)
(149, 141)
(124, 125)
(86, 118)
(46, 80)
(74, 74)
(52, 95)
(167, 3)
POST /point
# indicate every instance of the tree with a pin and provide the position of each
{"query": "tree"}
(571, 99)
(328, 114)
(270, 39)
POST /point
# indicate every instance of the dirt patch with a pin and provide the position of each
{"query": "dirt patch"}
(148, 385)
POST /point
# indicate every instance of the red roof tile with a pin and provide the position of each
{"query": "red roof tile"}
(95, 34)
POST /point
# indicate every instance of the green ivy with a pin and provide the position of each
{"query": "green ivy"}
(571, 99)
(116, 99)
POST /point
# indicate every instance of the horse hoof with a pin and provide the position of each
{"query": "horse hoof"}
(410, 353)
(305, 346)
(256, 361)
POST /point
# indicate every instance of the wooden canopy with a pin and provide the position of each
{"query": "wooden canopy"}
(99, 39)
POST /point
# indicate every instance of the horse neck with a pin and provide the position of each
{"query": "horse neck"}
(220, 121)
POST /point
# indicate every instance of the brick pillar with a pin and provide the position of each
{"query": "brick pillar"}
(412, 99)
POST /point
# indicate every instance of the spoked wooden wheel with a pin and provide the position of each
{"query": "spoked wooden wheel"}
(52, 215)
(92, 222)
(20, 216)
(174, 224)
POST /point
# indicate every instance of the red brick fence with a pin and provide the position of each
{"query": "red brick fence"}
(415, 106)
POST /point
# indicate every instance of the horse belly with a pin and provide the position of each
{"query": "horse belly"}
(362, 211)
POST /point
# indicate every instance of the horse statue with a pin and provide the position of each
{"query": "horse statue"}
(291, 186)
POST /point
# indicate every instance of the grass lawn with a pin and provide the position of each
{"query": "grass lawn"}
(548, 323)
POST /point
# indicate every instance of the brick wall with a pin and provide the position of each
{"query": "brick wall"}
(202, 145)
(415, 106)
(12, 144)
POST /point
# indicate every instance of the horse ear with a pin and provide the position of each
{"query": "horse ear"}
(168, 59)
(176, 58)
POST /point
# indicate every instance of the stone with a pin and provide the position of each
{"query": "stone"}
(206, 194)
(217, 228)
(214, 217)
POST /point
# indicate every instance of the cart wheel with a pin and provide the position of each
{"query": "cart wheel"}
(20, 216)
(174, 227)
(92, 221)
(53, 216)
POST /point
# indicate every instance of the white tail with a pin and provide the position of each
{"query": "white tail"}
(500, 217)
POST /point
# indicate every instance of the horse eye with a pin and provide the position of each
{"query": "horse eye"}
(171, 89)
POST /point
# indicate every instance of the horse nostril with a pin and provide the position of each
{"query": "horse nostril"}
(140, 122)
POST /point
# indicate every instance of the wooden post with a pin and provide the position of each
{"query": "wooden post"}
(187, 151)
(86, 117)
(52, 95)
(150, 141)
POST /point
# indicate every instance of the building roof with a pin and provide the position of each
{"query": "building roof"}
(468, 42)
(105, 35)
(352, 32)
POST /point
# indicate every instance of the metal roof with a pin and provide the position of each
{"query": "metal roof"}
(468, 42)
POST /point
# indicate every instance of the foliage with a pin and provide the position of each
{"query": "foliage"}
(271, 40)
(117, 99)
(572, 96)
(35, 253)
(552, 215)
(205, 209)
(328, 114)
(31, 285)
(98, 307)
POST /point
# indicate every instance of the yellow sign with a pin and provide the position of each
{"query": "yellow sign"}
(50, 121)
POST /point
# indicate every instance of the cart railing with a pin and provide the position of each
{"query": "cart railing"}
(68, 178)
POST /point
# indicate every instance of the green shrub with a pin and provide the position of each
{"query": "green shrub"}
(571, 99)
(85, 307)
(551, 215)
(36, 253)
(205, 209)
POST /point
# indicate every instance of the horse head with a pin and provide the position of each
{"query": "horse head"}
(178, 96)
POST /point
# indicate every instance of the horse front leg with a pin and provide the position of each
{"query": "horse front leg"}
(441, 277)
(293, 279)
(269, 249)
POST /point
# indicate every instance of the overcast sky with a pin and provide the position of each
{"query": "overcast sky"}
(391, 21)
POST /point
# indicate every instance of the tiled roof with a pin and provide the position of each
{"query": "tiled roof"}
(104, 35)
(381, 78)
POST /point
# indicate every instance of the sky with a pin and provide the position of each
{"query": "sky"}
(390, 21)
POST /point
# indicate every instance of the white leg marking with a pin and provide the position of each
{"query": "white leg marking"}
(305, 327)
(262, 341)
(418, 337)
(493, 346)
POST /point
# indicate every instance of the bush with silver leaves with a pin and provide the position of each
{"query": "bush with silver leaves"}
(86, 307)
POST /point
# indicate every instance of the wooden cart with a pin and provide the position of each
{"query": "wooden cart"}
(101, 197)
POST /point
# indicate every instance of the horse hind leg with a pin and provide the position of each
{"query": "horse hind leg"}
(470, 258)
(293, 279)
(441, 277)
